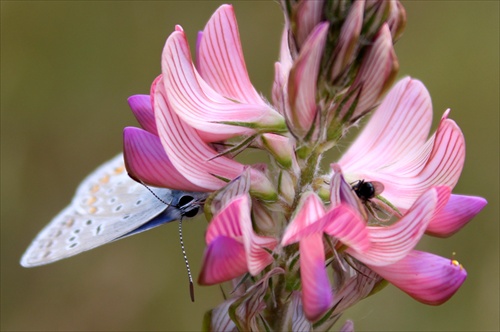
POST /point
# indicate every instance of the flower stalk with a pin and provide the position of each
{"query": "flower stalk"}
(297, 244)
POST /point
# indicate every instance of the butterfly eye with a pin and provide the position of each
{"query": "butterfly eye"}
(185, 200)
(192, 212)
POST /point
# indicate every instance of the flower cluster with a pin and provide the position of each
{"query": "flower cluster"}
(301, 244)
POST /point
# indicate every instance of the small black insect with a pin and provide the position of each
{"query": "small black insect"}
(366, 190)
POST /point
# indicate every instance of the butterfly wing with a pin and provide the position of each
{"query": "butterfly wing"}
(107, 205)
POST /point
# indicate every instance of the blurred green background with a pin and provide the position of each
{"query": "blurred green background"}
(67, 69)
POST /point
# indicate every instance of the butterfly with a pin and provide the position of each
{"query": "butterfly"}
(108, 205)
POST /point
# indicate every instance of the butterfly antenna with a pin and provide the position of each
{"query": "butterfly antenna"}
(191, 287)
(158, 198)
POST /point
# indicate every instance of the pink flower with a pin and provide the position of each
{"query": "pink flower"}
(307, 227)
(232, 246)
(213, 102)
(393, 149)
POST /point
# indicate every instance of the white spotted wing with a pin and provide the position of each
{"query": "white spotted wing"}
(108, 205)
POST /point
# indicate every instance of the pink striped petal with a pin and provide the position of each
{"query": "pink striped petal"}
(317, 295)
(398, 127)
(230, 220)
(234, 221)
(396, 19)
(194, 159)
(341, 223)
(376, 74)
(308, 15)
(302, 82)
(346, 226)
(427, 278)
(220, 58)
(143, 111)
(257, 257)
(438, 162)
(456, 214)
(348, 39)
(392, 243)
(146, 160)
(310, 209)
(192, 99)
(224, 259)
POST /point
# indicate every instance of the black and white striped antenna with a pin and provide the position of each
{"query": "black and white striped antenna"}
(191, 286)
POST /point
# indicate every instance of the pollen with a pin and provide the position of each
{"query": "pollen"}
(92, 210)
(456, 263)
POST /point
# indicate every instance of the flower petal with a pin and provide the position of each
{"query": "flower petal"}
(282, 149)
(224, 259)
(303, 80)
(234, 221)
(455, 215)
(202, 107)
(308, 15)
(143, 111)
(392, 243)
(310, 209)
(220, 58)
(257, 257)
(194, 159)
(438, 162)
(146, 160)
(229, 221)
(348, 39)
(317, 295)
(347, 227)
(398, 127)
(427, 278)
(340, 222)
(376, 74)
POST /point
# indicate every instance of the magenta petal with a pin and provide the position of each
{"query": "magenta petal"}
(456, 214)
(392, 243)
(317, 295)
(143, 111)
(220, 58)
(146, 160)
(302, 82)
(224, 260)
(427, 278)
